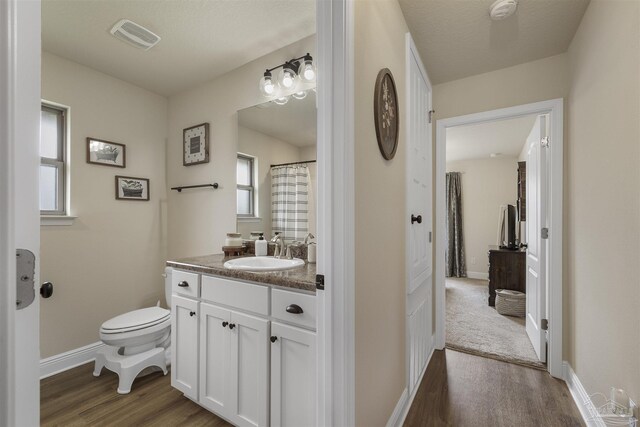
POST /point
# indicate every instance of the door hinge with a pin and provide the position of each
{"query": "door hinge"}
(544, 324)
(430, 113)
(545, 142)
(544, 233)
(320, 282)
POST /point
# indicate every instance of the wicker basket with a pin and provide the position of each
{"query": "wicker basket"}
(510, 303)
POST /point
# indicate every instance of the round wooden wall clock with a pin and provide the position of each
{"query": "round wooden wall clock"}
(385, 110)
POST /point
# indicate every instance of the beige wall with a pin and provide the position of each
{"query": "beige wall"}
(111, 259)
(486, 184)
(602, 199)
(380, 228)
(200, 219)
(268, 151)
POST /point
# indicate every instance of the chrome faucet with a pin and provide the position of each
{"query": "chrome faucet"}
(280, 247)
(308, 238)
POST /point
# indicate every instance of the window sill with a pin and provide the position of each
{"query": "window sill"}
(57, 220)
(249, 219)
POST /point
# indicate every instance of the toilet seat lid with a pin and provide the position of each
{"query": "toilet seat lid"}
(137, 319)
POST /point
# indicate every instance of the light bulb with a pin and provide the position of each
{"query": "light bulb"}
(287, 79)
(300, 95)
(306, 70)
(267, 87)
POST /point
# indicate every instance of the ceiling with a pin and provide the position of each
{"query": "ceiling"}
(456, 38)
(478, 141)
(294, 122)
(201, 39)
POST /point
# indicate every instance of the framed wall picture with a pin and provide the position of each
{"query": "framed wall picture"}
(385, 110)
(106, 153)
(195, 142)
(130, 188)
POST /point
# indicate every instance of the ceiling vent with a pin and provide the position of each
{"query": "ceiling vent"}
(134, 34)
(502, 9)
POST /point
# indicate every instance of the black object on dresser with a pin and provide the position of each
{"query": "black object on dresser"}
(507, 270)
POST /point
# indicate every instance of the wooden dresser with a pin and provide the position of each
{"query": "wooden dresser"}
(507, 270)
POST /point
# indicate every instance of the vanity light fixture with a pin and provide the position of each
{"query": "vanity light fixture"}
(294, 73)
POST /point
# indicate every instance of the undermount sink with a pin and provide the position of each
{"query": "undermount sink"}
(263, 263)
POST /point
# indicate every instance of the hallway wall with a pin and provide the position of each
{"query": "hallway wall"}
(602, 199)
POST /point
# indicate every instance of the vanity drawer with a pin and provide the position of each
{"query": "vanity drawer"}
(280, 300)
(245, 296)
(187, 284)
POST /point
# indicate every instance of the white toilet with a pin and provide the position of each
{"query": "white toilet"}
(136, 341)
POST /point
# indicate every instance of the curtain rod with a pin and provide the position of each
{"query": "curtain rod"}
(293, 163)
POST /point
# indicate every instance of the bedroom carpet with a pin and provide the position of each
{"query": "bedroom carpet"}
(474, 327)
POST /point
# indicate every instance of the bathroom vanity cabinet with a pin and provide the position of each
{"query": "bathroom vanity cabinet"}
(240, 353)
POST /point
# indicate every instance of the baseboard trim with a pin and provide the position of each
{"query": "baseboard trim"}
(477, 275)
(404, 404)
(69, 359)
(581, 398)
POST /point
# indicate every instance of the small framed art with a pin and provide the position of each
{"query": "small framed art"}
(106, 153)
(195, 142)
(129, 188)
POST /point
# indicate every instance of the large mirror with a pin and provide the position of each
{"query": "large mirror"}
(276, 169)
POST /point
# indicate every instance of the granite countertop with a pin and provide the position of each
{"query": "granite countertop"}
(303, 278)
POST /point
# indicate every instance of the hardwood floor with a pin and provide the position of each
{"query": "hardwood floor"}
(462, 390)
(77, 398)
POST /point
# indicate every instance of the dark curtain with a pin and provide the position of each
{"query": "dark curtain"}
(456, 265)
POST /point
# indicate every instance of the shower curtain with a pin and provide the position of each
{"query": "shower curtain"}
(454, 257)
(290, 194)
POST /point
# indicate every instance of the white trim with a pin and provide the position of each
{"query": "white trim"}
(477, 275)
(399, 409)
(8, 64)
(336, 214)
(70, 359)
(409, 402)
(48, 220)
(581, 398)
(554, 108)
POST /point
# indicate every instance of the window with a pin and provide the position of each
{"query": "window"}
(246, 185)
(52, 160)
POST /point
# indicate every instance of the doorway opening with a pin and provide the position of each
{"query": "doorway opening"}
(498, 196)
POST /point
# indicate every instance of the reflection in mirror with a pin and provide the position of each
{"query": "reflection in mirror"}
(276, 169)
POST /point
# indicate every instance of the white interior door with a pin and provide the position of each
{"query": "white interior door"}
(419, 215)
(536, 249)
(20, 215)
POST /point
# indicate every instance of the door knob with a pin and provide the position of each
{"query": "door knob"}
(274, 339)
(417, 219)
(46, 290)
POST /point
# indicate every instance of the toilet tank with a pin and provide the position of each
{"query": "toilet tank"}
(168, 272)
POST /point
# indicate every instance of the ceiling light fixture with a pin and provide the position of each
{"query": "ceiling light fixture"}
(502, 9)
(294, 79)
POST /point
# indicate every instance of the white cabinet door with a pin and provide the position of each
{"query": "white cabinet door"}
(249, 370)
(184, 352)
(293, 370)
(215, 355)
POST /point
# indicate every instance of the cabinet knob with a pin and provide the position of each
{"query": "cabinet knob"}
(192, 313)
(294, 309)
(224, 324)
(274, 339)
(232, 325)
(183, 284)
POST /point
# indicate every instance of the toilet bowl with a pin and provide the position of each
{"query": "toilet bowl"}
(135, 341)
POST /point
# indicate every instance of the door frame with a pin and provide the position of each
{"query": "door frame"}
(8, 63)
(554, 108)
(336, 214)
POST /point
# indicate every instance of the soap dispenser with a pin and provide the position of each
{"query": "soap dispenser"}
(261, 246)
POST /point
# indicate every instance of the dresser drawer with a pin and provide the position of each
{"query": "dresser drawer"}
(280, 300)
(184, 283)
(245, 296)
